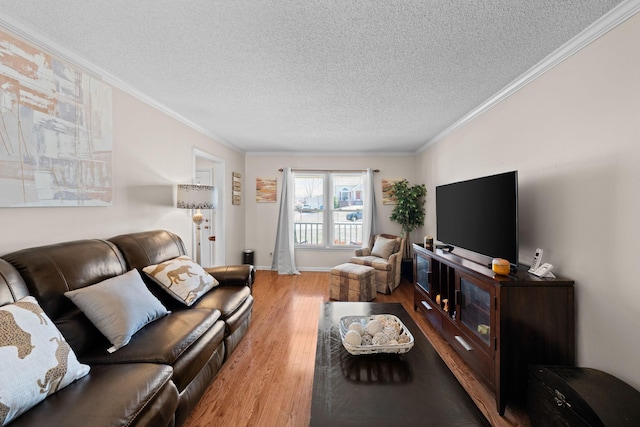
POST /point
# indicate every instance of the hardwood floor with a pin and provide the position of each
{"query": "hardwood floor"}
(268, 380)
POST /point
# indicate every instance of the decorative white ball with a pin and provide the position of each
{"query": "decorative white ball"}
(380, 339)
(403, 339)
(357, 327)
(394, 323)
(348, 322)
(390, 332)
(374, 327)
(352, 338)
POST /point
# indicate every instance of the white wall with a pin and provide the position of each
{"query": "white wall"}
(152, 153)
(262, 218)
(574, 137)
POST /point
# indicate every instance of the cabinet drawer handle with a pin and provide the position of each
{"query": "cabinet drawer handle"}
(463, 343)
(427, 306)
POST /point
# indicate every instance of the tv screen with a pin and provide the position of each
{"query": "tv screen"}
(480, 215)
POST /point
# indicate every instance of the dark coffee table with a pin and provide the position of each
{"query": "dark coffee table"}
(410, 389)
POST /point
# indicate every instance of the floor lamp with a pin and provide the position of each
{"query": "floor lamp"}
(197, 197)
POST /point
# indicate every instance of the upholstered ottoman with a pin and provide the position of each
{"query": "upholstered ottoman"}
(352, 282)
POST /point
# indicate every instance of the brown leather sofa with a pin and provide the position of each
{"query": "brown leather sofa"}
(161, 374)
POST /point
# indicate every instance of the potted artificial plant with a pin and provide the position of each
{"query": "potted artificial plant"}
(409, 213)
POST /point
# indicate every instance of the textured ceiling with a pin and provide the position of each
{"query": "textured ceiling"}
(313, 76)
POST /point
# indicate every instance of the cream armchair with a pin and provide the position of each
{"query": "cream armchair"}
(384, 254)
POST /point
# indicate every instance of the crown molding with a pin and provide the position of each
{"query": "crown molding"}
(609, 21)
(328, 154)
(46, 44)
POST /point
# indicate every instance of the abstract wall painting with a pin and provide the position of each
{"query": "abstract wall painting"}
(55, 130)
(266, 189)
(388, 198)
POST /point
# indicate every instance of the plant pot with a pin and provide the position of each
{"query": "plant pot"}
(407, 269)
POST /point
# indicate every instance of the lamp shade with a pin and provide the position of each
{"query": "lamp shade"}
(197, 196)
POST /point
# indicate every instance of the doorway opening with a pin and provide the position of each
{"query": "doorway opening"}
(210, 170)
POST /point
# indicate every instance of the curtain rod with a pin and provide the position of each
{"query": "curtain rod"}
(329, 170)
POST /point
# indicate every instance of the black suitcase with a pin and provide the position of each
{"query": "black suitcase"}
(572, 396)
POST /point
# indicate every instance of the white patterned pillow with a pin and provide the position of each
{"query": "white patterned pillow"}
(182, 278)
(35, 360)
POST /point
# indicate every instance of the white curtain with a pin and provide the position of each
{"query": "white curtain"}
(370, 217)
(283, 254)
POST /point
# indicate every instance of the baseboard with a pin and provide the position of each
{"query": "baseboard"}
(317, 269)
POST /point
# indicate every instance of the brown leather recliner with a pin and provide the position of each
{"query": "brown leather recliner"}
(134, 394)
(161, 374)
(233, 297)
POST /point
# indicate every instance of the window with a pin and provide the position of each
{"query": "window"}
(328, 209)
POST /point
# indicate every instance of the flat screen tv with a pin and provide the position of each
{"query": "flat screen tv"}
(480, 215)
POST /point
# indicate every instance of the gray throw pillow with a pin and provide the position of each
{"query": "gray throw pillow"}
(383, 247)
(119, 307)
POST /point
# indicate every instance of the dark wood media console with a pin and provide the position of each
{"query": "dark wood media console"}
(499, 325)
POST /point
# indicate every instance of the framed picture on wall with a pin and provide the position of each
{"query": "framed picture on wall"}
(55, 128)
(266, 189)
(388, 197)
(236, 188)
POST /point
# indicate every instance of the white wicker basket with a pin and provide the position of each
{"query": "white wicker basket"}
(373, 349)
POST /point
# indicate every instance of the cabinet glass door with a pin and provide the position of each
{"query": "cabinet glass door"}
(475, 309)
(423, 273)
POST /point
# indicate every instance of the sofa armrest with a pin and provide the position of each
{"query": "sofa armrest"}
(233, 275)
(396, 259)
(363, 252)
